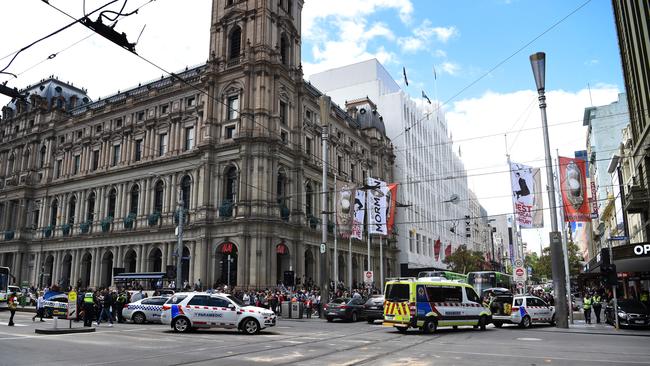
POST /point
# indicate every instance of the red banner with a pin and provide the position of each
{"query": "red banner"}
(448, 250)
(436, 249)
(392, 201)
(573, 185)
(282, 249)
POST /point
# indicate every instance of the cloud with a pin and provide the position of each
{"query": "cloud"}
(424, 34)
(592, 62)
(517, 113)
(449, 68)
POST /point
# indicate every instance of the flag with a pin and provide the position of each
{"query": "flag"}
(435, 77)
(425, 97)
(436, 249)
(377, 207)
(527, 199)
(344, 213)
(391, 191)
(573, 188)
(358, 212)
(448, 251)
(406, 81)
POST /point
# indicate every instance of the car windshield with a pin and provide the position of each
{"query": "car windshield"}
(175, 299)
(397, 292)
(236, 300)
(340, 301)
(632, 306)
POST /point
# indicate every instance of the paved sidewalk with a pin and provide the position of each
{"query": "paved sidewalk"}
(579, 326)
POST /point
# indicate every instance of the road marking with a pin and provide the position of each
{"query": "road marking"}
(546, 358)
(528, 339)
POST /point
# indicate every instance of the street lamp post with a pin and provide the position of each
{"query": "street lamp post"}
(179, 243)
(538, 64)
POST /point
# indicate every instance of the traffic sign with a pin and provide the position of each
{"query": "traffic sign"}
(520, 285)
(368, 277)
(72, 305)
(519, 272)
(323, 248)
(519, 263)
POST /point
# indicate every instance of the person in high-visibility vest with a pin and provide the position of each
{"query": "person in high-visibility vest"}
(586, 306)
(89, 308)
(597, 306)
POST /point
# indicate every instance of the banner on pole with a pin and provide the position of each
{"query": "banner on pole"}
(391, 192)
(358, 214)
(377, 207)
(527, 195)
(573, 188)
(344, 211)
(436, 249)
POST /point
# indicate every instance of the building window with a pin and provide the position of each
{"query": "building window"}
(235, 43)
(118, 123)
(308, 147)
(231, 184)
(309, 200)
(135, 196)
(233, 107)
(138, 150)
(284, 136)
(41, 163)
(90, 216)
(284, 50)
(189, 138)
(411, 241)
(141, 116)
(98, 128)
(35, 216)
(190, 102)
(352, 175)
(186, 184)
(283, 113)
(112, 198)
(53, 212)
(164, 108)
(72, 206)
(77, 164)
(230, 131)
(117, 149)
(159, 194)
(62, 139)
(95, 160)
(339, 164)
(162, 144)
(57, 168)
(80, 134)
(308, 115)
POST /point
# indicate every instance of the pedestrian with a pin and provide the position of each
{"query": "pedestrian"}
(40, 307)
(586, 306)
(597, 306)
(107, 302)
(119, 305)
(12, 303)
(319, 306)
(89, 308)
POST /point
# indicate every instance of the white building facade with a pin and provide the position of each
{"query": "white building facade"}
(431, 176)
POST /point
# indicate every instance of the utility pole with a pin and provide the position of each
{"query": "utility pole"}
(325, 107)
(179, 243)
(336, 255)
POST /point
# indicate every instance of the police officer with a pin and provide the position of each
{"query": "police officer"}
(597, 306)
(89, 308)
(586, 306)
(119, 305)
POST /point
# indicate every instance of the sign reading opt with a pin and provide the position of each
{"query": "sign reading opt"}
(642, 249)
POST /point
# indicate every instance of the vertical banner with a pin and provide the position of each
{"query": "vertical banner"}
(377, 205)
(573, 187)
(448, 250)
(436, 249)
(358, 214)
(526, 184)
(344, 215)
(391, 198)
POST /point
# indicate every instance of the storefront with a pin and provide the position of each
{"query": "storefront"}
(632, 265)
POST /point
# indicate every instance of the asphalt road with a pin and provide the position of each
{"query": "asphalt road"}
(314, 342)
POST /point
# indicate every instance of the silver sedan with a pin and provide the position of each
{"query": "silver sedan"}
(144, 310)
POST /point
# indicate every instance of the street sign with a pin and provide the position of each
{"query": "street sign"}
(520, 285)
(519, 263)
(618, 238)
(72, 305)
(519, 274)
(368, 277)
(323, 248)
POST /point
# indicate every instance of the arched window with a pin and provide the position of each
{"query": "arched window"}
(25, 164)
(41, 163)
(112, 197)
(309, 200)
(284, 50)
(281, 189)
(10, 164)
(72, 206)
(230, 193)
(135, 196)
(53, 212)
(159, 193)
(235, 43)
(90, 216)
(186, 184)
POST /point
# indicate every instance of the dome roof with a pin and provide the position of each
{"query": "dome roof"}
(369, 118)
(52, 89)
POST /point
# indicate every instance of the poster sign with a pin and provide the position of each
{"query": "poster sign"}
(344, 211)
(526, 195)
(574, 190)
(368, 277)
(358, 212)
(72, 305)
(377, 205)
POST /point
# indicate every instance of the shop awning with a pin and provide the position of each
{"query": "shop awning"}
(123, 277)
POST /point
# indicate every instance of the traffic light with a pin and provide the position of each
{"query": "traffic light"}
(609, 275)
(604, 260)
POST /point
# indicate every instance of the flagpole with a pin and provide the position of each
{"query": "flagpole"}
(381, 264)
(564, 242)
(350, 260)
(336, 256)
(515, 246)
(368, 220)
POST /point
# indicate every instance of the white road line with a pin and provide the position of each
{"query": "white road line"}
(547, 358)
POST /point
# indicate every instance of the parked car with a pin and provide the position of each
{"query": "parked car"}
(523, 310)
(144, 310)
(373, 309)
(344, 308)
(631, 313)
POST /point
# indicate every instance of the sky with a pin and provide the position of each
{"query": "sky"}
(478, 48)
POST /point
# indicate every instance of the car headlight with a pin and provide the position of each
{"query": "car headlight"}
(622, 314)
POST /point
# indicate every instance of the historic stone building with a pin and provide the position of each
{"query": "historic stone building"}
(90, 186)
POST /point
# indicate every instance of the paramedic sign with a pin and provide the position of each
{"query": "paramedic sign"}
(368, 277)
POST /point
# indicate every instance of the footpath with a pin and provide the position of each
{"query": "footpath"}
(580, 327)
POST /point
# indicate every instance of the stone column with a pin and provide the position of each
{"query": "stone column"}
(190, 277)
(140, 261)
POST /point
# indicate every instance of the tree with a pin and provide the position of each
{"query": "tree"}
(544, 269)
(464, 260)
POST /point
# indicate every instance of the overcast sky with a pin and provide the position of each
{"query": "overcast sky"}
(479, 50)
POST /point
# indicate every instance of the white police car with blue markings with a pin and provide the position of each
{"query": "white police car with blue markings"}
(144, 310)
(523, 310)
(191, 310)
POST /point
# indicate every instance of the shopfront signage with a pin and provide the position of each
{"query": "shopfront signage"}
(642, 249)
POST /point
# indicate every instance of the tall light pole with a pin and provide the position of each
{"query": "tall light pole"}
(179, 243)
(325, 108)
(538, 63)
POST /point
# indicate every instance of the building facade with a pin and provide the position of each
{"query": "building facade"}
(232, 146)
(431, 176)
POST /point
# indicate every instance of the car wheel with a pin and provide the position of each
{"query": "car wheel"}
(455, 327)
(250, 326)
(47, 313)
(525, 322)
(482, 322)
(181, 325)
(354, 317)
(139, 318)
(430, 326)
(497, 324)
(330, 319)
(552, 322)
(402, 329)
(370, 321)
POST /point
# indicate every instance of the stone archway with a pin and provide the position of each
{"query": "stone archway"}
(48, 270)
(185, 265)
(309, 267)
(355, 271)
(66, 271)
(130, 261)
(342, 268)
(86, 266)
(283, 261)
(226, 264)
(155, 260)
(106, 269)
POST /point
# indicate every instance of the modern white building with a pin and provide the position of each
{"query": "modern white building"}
(431, 175)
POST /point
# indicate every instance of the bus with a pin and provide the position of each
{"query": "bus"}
(484, 280)
(452, 276)
(4, 286)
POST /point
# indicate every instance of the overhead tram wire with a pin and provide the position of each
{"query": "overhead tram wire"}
(507, 59)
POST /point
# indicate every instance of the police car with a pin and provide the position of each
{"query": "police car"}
(523, 310)
(429, 303)
(185, 311)
(144, 310)
(55, 304)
